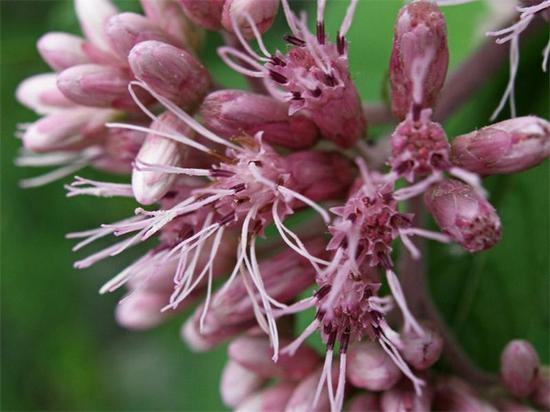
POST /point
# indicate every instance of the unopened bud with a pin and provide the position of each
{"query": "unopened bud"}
(365, 402)
(255, 353)
(96, 85)
(93, 16)
(369, 367)
(302, 398)
(320, 175)
(120, 148)
(65, 130)
(171, 72)
(149, 186)
(271, 399)
(541, 395)
(205, 13)
(419, 57)
(421, 351)
(403, 398)
(519, 367)
(453, 394)
(62, 50)
(125, 30)
(462, 213)
(261, 13)
(169, 16)
(505, 147)
(230, 113)
(40, 93)
(238, 383)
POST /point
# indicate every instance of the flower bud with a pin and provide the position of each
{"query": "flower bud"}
(505, 147)
(261, 12)
(320, 175)
(255, 353)
(120, 148)
(369, 367)
(365, 402)
(463, 214)
(271, 399)
(169, 16)
(541, 395)
(125, 30)
(403, 398)
(93, 16)
(238, 383)
(62, 50)
(230, 113)
(421, 352)
(519, 367)
(171, 72)
(205, 13)
(40, 93)
(96, 85)
(419, 57)
(150, 186)
(66, 129)
(303, 395)
(453, 394)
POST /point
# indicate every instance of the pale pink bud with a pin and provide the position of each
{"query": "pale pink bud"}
(96, 85)
(231, 113)
(205, 13)
(462, 213)
(255, 353)
(125, 30)
(40, 93)
(66, 129)
(261, 12)
(268, 400)
(238, 383)
(62, 50)
(93, 16)
(453, 394)
(419, 58)
(171, 72)
(143, 310)
(541, 395)
(150, 186)
(170, 17)
(120, 148)
(369, 367)
(302, 398)
(505, 147)
(365, 402)
(519, 367)
(421, 351)
(403, 398)
(320, 175)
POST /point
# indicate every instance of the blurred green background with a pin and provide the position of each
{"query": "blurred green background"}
(61, 348)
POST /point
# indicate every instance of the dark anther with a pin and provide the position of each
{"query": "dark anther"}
(439, 162)
(320, 315)
(330, 80)
(331, 339)
(238, 187)
(221, 173)
(416, 109)
(278, 77)
(352, 217)
(316, 92)
(277, 61)
(340, 44)
(400, 221)
(387, 197)
(322, 292)
(295, 41)
(171, 194)
(321, 32)
(404, 167)
(296, 96)
(384, 260)
(344, 341)
(224, 220)
(256, 162)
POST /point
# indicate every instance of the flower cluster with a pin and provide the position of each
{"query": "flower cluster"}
(217, 168)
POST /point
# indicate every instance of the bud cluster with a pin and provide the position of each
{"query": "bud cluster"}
(217, 169)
